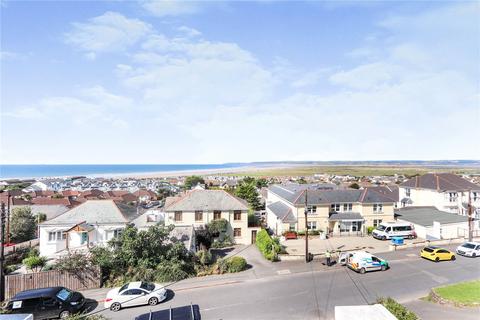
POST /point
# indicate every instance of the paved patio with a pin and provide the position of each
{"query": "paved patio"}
(317, 246)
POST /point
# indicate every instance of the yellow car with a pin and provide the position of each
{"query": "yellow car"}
(436, 254)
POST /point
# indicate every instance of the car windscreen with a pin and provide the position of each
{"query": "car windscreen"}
(147, 286)
(64, 294)
(381, 228)
(428, 249)
(468, 245)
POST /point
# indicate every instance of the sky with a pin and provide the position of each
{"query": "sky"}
(164, 82)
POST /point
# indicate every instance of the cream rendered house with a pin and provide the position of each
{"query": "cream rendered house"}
(334, 211)
(445, 191)
(199, 207)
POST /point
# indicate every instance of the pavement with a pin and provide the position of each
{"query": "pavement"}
(296, 290)
(317, 245)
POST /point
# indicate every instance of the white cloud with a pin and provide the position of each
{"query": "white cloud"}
(190, 32)
(106, 33)
(163, 8)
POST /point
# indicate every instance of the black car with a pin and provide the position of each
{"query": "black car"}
(47, 303)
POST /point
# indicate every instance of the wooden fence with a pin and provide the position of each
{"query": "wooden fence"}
(19, 282)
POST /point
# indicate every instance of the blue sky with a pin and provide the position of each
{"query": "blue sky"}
(214, 82)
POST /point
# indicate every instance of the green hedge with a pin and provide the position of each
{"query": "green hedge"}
(268, 247)
(397, 309)
(232, 265)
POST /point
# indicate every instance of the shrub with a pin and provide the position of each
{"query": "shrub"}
(268, 247)
(231, 265)
(204, 257)
(301, 233)
(216, 227)
(35, 263)
(314, 232)
(370, 229)
(397, 309)
(236, 264)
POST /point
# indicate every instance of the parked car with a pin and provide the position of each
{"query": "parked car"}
(134, 294)
(362, 262)
(436, 254)
(47, 303)
(388, 230)
(290, 235)
(469, 249)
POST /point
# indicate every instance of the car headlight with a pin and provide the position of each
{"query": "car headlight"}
(74, 303)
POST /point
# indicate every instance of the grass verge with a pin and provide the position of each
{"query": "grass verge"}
(464, 293)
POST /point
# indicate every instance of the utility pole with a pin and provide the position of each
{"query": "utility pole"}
(8, 216)
(307, 255)
(2, 253)
(470, 217)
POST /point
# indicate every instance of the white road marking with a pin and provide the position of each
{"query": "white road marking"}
(281, 272)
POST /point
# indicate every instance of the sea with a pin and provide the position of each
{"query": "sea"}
(13, 171)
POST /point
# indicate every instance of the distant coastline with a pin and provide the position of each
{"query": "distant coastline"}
(36, 171)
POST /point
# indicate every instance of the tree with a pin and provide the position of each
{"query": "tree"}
(163, 193)
(34, 262)
(248, 180)
(302, 181)
(354, 186)
(192, 181)
(22, 225)
(262, 183)
(147, 255)
(248, 191)
(40, 217)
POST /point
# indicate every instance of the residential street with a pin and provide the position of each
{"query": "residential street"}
(296, 290)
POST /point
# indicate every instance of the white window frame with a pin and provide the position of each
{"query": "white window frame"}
(378, 207)
(407, 192)
(312, 209)
(452, 196)
(377, 222)
(55, 236)
(347, 207)
(312, 225)
(335, 207)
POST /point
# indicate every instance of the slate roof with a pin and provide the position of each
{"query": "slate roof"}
(297, 196)
(282, 211)
(441, 182)
(425, 216)
(206, 200)
(96, 211)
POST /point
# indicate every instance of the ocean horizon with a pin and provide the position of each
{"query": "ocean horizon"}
(27, 171)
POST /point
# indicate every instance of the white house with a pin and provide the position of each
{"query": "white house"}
(92, 223)
(445, 191)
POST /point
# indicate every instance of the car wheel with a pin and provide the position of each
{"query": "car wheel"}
(474, 255)
(437, 259)
(115, 307)
(362, 271)
(384, 268)
(64, 314)
(152, 301)
(384, 238)
(452, 258)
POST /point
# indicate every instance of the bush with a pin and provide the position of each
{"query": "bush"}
(204, 257)
(231, 265)
(397, 309)
(236, 264)
(268, 247)
(314, 232)
(301, 233)
(370, 229)
(35, 263)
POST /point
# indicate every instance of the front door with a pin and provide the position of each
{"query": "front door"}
(254, 236)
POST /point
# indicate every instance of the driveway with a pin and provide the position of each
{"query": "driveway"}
(316, 245)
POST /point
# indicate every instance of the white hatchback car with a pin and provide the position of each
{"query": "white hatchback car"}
(469, 249)
(134, 294)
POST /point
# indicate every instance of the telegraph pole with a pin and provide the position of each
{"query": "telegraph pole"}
(307, 256)
(8, 216)
(2, 253)
(470, 217)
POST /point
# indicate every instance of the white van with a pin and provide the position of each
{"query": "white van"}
(364, 261)
(394, 229)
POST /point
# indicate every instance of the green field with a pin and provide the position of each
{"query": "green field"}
(358, 171)
(467, 293)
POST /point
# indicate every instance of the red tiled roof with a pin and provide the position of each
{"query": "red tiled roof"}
(51, 201)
